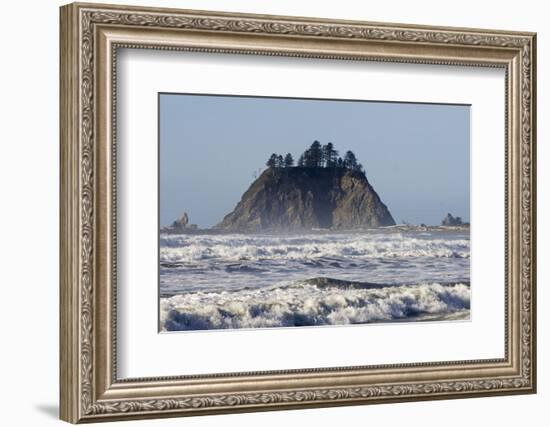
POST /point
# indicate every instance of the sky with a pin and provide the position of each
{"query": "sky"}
(416, 156)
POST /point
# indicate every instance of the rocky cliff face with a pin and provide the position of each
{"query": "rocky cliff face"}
(299, 198)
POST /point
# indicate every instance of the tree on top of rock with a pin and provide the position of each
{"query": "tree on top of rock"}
(351, 163)
(289, 161)
(330, 155)
(317, 156)
(313, 157)
(272, 161)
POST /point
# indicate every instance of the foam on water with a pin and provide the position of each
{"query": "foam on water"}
(251, 281)
(235, 247)
(303, 304)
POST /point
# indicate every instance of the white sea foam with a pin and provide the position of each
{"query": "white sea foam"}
(304, 304)
(252, 281)
(234, 248)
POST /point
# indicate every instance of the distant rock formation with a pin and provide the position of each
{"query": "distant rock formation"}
(182, 221)
(305, 198)
(450, 220)
(181, 225)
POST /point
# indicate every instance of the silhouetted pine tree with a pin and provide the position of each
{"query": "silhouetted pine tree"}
(289, 160)
(272, 162)
(317, 156)
(314, 156)
(350, 161)
(330, 155)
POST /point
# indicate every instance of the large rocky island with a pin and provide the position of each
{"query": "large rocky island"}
(322, 191)
(305, 197)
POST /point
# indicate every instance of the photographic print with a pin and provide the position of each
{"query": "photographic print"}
(286, 212)
(296, 194)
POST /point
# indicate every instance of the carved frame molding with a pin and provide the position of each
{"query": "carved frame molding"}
(90, 34)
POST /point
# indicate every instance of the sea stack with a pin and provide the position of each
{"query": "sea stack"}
(306, 198)
(180, 225)
(450, 220)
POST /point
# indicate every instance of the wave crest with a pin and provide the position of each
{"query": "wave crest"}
(306, 304)
(194, 248)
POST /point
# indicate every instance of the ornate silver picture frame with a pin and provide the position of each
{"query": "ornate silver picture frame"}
(91, 37)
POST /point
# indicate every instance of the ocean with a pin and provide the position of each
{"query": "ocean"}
(229, 281)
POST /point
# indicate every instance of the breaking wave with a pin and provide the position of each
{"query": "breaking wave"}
(314, 302)
(194, 248)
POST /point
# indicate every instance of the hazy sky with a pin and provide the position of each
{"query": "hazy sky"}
(416, 156)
